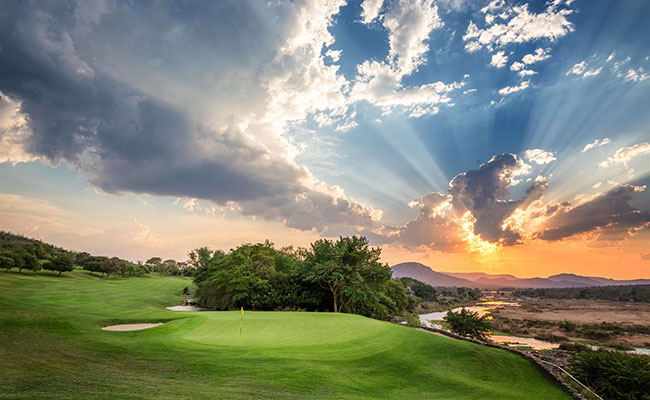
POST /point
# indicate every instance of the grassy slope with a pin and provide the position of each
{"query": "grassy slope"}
(51, 347)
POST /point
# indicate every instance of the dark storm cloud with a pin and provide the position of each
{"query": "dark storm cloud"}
(609, 214)
(85, 87)
(480, 191)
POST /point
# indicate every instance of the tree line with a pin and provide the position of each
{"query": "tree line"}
(25, 254)
(343, 275)
(636, 293)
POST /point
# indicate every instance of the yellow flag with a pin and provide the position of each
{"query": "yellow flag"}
(241, 320)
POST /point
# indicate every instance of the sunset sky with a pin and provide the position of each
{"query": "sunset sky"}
(507, 137)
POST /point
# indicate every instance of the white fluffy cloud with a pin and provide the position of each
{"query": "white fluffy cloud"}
(409, 25)
(517, 24)
(499, 60)
(539, 156)
(370, 10)
(596, 143)
(637, 75)
(578, 69)
(539, 55)
(14, 132)
(626, 154)
(581, 69)
(513, 89)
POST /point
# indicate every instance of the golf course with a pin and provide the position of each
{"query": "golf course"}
(52, 347)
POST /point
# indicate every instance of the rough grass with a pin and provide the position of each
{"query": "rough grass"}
(52, 347)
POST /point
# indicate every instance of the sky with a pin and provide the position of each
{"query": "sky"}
(501, 137)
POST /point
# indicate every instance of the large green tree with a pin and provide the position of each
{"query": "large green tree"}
(353, 274)
(61, 263)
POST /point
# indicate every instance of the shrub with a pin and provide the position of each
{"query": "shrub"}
(468, 323)
(412, 319)
(613, 375)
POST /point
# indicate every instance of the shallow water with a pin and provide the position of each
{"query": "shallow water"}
(481, 308)
(534, 344)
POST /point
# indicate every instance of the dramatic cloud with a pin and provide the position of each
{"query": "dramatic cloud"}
(596, 143)
(474, 210)
(477, 213)
(135, 120)
(14, 132)
(608, 215)
(435, 228)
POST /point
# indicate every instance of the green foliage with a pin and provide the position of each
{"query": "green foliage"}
(613, 375)
(61, 263)
(422, 290)
(468, 323)
(636, 293)
(341, 276)
(6, 263)
(574, 346)
(412, 319)
(353, 274)
(253, 276)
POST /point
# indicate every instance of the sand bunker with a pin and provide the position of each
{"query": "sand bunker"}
(130, 327)
(184, 308)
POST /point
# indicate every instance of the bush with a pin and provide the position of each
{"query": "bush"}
(412, 319)
(613, 375)
(468, 323)
(574, 347)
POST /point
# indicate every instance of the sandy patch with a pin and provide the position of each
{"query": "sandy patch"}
(130, 327)
(184, 308)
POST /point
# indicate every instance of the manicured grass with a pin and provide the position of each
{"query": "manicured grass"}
(52, 347)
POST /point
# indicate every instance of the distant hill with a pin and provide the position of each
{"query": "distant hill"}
(482, 280)
(425, 274)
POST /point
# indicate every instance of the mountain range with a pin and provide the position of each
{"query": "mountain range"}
(482, 280)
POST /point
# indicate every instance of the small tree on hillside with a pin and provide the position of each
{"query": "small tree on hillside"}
(468, 323)
(6, 263)
(61, 263)
(31, 262)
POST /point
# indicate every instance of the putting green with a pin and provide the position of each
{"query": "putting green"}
(51, 346)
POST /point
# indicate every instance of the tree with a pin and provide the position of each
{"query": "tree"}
(19, 261)
(61, 263)
(468, 323)
(6, 263)
(204, 261)
(113, 265)
(351, 271)
(31, 262)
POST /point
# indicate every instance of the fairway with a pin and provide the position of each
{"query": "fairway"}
(52, 346)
